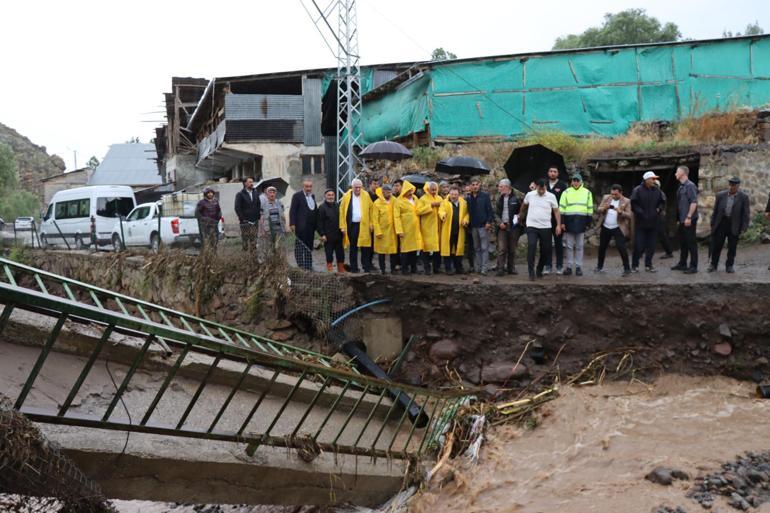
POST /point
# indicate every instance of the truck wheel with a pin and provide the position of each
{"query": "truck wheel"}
(116, 244)
(154, 243)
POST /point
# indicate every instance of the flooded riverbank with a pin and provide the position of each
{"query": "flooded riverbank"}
(595, 445)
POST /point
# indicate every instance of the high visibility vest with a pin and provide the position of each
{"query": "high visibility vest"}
(576, 202)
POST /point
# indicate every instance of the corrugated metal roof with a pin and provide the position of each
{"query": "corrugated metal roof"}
(128, 164)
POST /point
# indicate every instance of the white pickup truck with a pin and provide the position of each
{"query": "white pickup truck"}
(142, 228)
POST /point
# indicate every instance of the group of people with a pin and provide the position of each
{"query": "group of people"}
(443, 224)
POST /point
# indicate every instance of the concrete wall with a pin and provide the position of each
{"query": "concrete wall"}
(749, 163)
(181, 170)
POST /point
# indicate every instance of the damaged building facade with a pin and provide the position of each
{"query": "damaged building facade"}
(284, 124)
(263, 126)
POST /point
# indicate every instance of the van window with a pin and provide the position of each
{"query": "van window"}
(48, 212)
(113, 207)
(84, 208)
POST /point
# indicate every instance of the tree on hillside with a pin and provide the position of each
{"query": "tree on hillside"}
(14, 202)
(752, 29)
(631, 26)
(439, 54)
(93, 162)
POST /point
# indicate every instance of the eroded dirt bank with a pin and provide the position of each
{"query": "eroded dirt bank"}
(595, 445)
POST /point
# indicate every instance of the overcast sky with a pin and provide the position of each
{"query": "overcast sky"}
(80, 75)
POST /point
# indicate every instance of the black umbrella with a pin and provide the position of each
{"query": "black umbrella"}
(462, 166)
(385, 150)
(417, 180)
(530, 163)
(279, 183)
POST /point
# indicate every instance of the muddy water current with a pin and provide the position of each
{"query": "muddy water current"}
(595, 445)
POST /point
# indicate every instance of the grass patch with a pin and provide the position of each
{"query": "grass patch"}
(758, 227)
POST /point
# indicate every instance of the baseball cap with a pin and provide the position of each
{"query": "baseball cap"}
(650, 174)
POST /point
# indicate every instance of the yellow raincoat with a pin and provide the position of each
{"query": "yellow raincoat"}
(446, 212)
(406, 220)
(429, 220)
(364, 234)
(384, 227)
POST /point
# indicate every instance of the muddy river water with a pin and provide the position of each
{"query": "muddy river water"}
(596, 444)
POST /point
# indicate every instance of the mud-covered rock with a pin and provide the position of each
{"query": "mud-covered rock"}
(445, 349)
(503, 371)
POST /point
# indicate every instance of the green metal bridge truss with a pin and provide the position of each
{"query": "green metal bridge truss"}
(181, 335)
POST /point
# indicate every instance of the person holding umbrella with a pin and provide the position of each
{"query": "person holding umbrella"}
(427, 209)
(538, 207)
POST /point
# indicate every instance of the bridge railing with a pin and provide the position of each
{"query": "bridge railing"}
(341, 411)
(59, 286)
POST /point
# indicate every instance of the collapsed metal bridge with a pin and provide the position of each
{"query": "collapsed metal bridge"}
(267, 393)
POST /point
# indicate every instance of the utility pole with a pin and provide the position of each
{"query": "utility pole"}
(348, 96)
(348, 80)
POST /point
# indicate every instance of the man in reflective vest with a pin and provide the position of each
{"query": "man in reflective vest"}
(576, 207)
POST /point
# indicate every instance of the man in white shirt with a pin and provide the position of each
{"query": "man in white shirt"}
(537, 209)
(615, 220)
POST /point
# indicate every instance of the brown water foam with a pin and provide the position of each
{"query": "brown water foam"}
(596, 444)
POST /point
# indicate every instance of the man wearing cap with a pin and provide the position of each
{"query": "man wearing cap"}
(646, 202)
(508, 230)
(208, 213)
(728, 221)
(577, 208)
(384, 228)
(537, 208)
(687, 217)
(557, 188)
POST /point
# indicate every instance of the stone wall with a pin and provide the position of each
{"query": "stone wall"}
(750, 163)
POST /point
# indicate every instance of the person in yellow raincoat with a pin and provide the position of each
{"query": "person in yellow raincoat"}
(427, 209)
(355, 224)
(407, 224)
(454, 220)
(384, 228)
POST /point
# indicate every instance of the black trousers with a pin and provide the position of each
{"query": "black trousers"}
(333, 249)
(434, 258)
(721, 232)
(688, 245)
(353, 230)
(605, 236)
(393, 262)
(303, 249)
(543, 236)
(409, 261)
(249, 236)
(558, 244)
(644, 242)
(663, 235)
(453, 262)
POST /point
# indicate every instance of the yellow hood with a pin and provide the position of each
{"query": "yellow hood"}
(406, 187)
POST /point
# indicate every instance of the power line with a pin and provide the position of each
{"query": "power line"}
(449, 69)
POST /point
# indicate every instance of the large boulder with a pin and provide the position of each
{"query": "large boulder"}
(445, 350)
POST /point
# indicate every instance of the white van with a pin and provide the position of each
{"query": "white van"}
(85, 215)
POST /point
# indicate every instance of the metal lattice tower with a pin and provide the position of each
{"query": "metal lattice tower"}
(348, 95)
(348, 83)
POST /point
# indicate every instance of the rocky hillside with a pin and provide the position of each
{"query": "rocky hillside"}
(33, 161)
